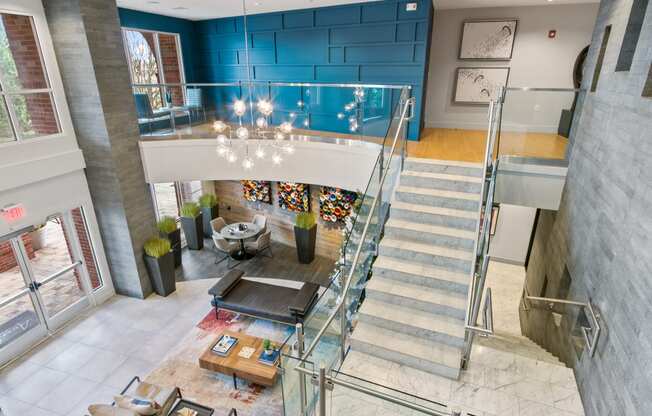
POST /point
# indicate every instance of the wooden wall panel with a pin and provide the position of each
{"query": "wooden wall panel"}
(234, 208)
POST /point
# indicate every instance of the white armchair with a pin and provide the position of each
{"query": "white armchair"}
(260, 221)
(226, 247)
(262, 243)
(217, 224)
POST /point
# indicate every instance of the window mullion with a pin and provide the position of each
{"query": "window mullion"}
(159, 65)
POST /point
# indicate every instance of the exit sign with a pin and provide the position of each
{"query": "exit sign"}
(13, 213)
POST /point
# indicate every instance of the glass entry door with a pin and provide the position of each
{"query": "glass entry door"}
(43, 283)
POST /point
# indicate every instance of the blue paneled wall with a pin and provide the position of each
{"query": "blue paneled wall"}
(378, 42)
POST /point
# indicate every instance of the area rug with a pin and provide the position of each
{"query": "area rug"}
(181, 368)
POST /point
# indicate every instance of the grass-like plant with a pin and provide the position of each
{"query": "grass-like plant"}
(189, 210)
(157, 247)
(207, 200)
(305, 220)
(167, 225)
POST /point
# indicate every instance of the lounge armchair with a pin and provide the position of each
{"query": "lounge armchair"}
(136, 388)
(263, 300)
(226, 247)
(217, 224)
(262, 243)
(147, 115)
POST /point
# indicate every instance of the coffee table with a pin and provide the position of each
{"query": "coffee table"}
(246, 368)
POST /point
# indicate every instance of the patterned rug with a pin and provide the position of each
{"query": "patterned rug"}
(181, 368)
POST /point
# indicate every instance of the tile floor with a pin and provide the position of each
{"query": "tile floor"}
(96, 356)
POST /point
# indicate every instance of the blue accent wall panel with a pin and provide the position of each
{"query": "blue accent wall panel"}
(377, 42)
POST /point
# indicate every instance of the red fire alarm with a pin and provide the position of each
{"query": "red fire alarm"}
(552, 34)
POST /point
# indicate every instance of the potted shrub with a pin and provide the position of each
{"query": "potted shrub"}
(267, 346)
(191, 221)
(159, 260)
(167, 226)
(305, 235)
(210, 211)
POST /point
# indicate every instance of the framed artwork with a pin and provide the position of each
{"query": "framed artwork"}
(294, 197)
(257, 191)
(478, 85)
(336, 204)
(491, 40)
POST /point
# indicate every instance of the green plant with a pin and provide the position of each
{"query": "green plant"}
(189, 210)
(157, 247)
(267, 344)
(207, 200)
(305, 220)
(167, 225)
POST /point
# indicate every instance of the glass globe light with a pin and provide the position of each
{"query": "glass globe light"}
(247, 163)
(221, 139)
(276, 159)
(222, 151)
(353, 127)
(242, 133)
(340, 116)
(279, 136)
(219, 126)
(293, 115)
(260, 153)
(358, 93)
(300, 103)
(239, 108)
(306, 123)
(261, 122)
(265, 107)
(231, 157)
(289, 149)
(286, 127)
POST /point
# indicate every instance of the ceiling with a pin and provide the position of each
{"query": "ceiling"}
(210, 9)
(468, 4)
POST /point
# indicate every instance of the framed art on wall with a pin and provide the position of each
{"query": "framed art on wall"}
(479, 85)
(491, 40)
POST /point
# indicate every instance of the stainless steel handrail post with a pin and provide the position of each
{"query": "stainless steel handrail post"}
(302, 376)
(343, 331)
(322, 390)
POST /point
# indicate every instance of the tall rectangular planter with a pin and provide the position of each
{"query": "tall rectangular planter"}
(305, 240)
(161, 273)
(209, 215)
(193, 229)
(175, 241)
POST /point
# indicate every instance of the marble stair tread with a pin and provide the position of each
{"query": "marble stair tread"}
(430, 249)
(443, 193)
(419, 269)
(443, 176)
(408, 291)
(427, 209)
(410, 317)
(408, 345)
(457, 163)
(431, 229)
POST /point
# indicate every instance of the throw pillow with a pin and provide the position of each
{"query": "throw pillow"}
(140, 406)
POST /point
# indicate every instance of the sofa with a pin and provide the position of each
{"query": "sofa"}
(262, 300)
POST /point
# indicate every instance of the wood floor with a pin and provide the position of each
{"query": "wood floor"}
(469, 145)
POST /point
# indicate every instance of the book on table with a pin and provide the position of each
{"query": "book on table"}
(224, 345)
(269, 359)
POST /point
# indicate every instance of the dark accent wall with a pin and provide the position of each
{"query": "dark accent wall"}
(374, 43)
(598, 245)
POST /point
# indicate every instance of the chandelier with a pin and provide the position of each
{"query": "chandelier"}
(271, 141)
(353, 110)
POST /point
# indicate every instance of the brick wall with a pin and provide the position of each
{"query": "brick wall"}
(7, 258)
(170, 63)
(86, 248)
(24, 49)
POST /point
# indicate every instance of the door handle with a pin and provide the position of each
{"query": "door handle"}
(34, 286)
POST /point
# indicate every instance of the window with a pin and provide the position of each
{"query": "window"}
(632, 33)
(26, 105)
(598, 63)
(155, 58)
(169, 196)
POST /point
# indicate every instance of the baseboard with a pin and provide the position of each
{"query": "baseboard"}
(508, 127)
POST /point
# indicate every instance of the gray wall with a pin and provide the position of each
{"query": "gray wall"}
(603, 230)
(537, 61)
(513, 231)
(88, 43)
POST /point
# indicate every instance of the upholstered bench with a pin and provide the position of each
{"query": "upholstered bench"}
(262, 300)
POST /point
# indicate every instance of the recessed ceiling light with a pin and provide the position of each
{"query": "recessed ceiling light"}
(153, 2)
(179, 8)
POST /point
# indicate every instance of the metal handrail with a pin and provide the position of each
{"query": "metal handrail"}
(356, 258)
(273, 83)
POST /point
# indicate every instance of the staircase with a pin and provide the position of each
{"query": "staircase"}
(415, 302)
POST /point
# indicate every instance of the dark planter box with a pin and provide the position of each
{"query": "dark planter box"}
(161, 273)
(193, 229)
(209, 215)
(305, 239)
(175, 241)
